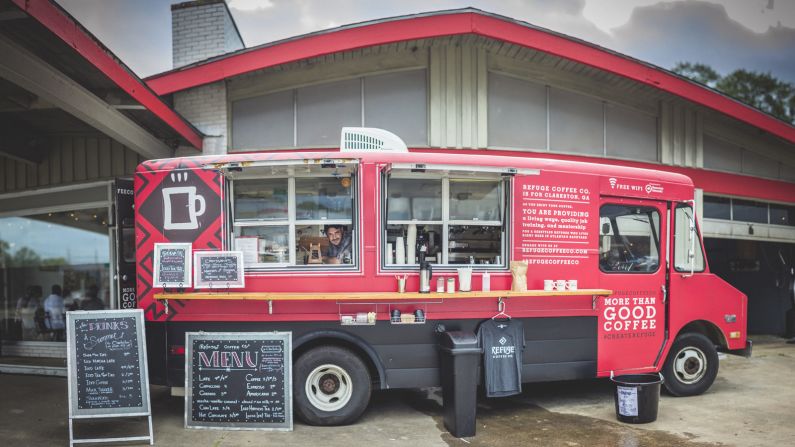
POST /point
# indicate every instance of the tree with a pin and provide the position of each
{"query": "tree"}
(700, 73)
(761, 90)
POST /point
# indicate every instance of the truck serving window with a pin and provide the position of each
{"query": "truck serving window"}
(295, 215)
(687, 251)
(630, 239)
(460, 218)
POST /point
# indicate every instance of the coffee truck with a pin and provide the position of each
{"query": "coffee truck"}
(617, 280)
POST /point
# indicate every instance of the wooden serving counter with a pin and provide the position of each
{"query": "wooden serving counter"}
(371, 296)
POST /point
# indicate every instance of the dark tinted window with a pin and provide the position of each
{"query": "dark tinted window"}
(782, 215)
(717, 207)
(749, 211)
(629, 239)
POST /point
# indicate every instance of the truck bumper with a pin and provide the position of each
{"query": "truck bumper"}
(744, 352)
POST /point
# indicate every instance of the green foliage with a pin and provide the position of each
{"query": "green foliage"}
(700, 73)
(761, 90)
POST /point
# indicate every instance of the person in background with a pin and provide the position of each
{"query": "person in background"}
(54, 308)
(26, 311)
(339, 247)
(92, 301)
(69, 300)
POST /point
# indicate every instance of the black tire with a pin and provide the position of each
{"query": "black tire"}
(691, 366)
(331, 386)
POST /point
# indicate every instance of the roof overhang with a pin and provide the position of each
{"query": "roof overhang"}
(458, 22)
(111, 98)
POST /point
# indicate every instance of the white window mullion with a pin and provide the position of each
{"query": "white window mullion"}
(445, 218)
(291, 218)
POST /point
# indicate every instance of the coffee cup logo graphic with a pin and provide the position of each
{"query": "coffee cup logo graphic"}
(182, 205)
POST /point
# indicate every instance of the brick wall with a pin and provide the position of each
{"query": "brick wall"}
(205, 108)
(200, 30)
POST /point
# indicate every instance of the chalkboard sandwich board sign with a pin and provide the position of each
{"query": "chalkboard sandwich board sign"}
(172, 265)
(238, 380)
(218, 269)
(106, 356)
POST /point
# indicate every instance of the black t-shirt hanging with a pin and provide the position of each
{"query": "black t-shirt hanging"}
(502, 342)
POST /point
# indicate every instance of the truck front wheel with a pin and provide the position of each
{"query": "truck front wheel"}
(691, 366)
(331, 386)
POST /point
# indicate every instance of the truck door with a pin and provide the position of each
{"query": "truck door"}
(124, 247)
(632, 246)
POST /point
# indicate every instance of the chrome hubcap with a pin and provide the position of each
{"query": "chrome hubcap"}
(329, 387)
(690, 365)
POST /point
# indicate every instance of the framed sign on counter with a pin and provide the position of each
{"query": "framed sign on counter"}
(218, 270)
(238, 380)
(172, 265)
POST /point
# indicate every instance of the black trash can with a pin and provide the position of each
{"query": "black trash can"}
(459, 358)
(637, 397)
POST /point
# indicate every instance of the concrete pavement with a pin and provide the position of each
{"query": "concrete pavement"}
(750, 404)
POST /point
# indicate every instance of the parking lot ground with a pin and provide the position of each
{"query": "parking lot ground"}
(752, 403)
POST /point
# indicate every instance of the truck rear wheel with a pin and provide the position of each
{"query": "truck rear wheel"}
(691, 366)
(331, 386)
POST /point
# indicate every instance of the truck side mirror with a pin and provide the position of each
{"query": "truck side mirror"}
(604, 243)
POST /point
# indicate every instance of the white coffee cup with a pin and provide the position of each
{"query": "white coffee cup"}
(571, 284)
(190, 202)
(549, 285)
(560, 285)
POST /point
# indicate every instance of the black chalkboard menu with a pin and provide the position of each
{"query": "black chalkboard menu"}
(218, 269)
(238, 380)
(172, 265)
(107, 363)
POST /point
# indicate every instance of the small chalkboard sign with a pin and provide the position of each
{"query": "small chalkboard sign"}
(238, 381)
(172, 265)
(218, 269)
(107, 368)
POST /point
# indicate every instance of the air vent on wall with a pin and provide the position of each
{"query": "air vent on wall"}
(370, 139)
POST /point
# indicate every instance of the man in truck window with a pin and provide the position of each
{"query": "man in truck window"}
(339, 246)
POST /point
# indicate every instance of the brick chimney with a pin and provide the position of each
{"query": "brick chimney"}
(202, 29)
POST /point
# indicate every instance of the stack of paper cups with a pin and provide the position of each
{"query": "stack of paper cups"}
(400, 251)
(411, 244)
(389, 258)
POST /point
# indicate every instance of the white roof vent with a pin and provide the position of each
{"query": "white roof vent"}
(370, 139)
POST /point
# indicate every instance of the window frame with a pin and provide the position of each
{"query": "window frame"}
(654, 233)
(465, 173)
(292, 222)
(696, 233)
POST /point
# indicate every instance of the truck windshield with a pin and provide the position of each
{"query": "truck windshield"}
(629, 241)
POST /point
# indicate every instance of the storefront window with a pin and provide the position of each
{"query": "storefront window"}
(51, 263)
(458, 219)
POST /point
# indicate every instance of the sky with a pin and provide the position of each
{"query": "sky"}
(725, 34)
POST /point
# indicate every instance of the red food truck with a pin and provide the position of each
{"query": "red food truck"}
(617, 279)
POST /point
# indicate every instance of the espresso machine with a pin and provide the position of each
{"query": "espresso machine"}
(426, 272)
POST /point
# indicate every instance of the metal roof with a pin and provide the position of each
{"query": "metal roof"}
(45, 30)
(463, 22)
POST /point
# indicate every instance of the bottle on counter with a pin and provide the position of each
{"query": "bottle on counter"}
(486, 282)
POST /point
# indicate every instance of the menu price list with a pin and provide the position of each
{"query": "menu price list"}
(238, 381)
(219, 269)
(108, 364)
(172, 265)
